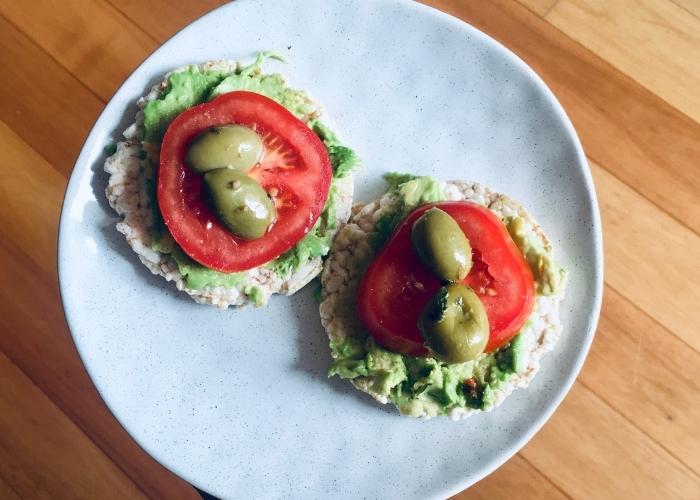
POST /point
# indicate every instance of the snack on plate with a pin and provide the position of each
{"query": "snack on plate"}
(229, 184)
(440, 297)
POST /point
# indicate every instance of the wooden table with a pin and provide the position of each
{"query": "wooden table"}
(628, 74)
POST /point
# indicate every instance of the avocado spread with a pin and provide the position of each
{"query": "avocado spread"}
(426, 386)
(549, 276)
(193, 86)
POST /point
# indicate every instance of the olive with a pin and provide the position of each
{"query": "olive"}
(454, 324)
(441, 244)
(230, 146)
(240, 202)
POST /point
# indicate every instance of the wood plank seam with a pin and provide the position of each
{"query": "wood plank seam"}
(49, 55)
(132, 21)
(652, 319)
(650, 101)
(546, 476)
(110, 437)
(683, 7)
(624, 78)
(550, 9)
(592, 453)
(651, 201)
(49, 163)
(17, 493)
(69, 415)
(135, 23)
(63, 408)
(620, 71)
(683, 465)
(629, 80)
(76, 424)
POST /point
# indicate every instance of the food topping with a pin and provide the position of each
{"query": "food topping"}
(233, 146)
(294, 170)
(397, 285)
(383, 350)
(240, 202)
(224, 155)
(550, 277)
(441, 245)
(454, 324)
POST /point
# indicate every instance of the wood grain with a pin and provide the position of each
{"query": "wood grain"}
(101, 47)
(7, 492)
(590, 451)
(41, 346)
(32, 196)
(628, 428)
(41, 101)
(539, 7)
(46, 455)
(649, 257)
(516, 475)
(659, 394)
(690, 6)
(148, 15)
(29, 214)
(653, 41)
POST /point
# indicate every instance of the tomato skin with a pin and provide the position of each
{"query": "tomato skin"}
(295, 169)
(397, 285)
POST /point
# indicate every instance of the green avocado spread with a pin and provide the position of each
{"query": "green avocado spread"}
(549, 276)
(193, 86)
(426, 386)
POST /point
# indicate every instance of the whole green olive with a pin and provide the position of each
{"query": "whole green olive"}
(230, 146)
(454, 324)
(240, 202)
(441, 244)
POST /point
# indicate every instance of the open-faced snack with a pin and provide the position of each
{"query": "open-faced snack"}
(229, 183)
(440, 297)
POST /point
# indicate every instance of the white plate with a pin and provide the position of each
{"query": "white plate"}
(238, 401)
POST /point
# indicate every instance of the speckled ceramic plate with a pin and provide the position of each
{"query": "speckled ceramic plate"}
(238, 401)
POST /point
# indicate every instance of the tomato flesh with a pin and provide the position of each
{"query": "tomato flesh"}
(397, 285)
(295, 171)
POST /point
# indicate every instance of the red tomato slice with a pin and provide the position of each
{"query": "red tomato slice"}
(397, 285)
(295, 171)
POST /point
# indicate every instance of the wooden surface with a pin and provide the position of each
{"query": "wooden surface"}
(628, 74)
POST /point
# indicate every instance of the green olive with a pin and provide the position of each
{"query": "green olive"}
(230, 146)
(441, 244)
(240, 202)
(454, 324)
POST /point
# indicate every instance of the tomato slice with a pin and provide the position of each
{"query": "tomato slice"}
(295, 171)
(397, 285)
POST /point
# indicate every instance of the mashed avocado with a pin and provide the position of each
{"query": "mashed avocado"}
(410, 191)
(426, 386)
(185, 89)
(550, 277)
(197, 276)
(193, 86)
